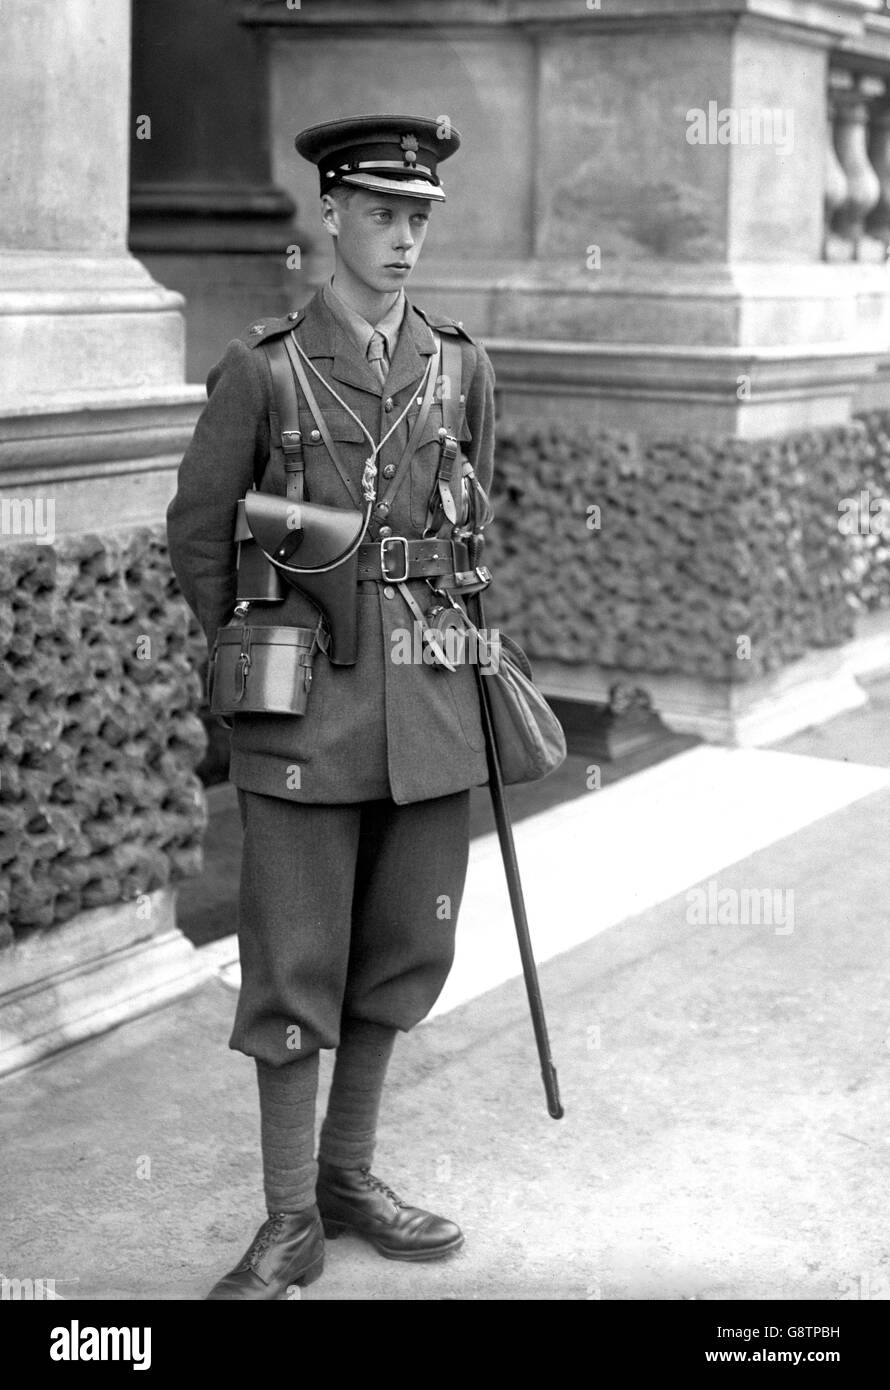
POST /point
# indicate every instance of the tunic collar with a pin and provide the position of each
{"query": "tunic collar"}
(361, 330)
(322, 334)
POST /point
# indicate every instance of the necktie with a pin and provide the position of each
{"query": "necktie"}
(377, 355)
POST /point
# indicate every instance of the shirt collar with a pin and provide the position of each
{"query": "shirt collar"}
(359, 327)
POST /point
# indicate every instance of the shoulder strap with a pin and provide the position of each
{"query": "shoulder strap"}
(284, 417)
(452, 368)
(442, 503)
(285, 438)
(320, 423)
(455, 469)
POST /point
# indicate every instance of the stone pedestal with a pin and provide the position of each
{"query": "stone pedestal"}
(94, 416)
(809, 691)
(74, 981)
(611, 259)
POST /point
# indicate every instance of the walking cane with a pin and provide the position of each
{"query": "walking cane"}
(514, 883)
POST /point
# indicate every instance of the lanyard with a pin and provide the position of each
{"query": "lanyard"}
(369, 473)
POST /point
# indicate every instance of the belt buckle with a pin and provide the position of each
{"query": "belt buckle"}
(393, 578)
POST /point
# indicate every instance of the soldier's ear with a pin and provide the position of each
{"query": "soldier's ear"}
(330, 214)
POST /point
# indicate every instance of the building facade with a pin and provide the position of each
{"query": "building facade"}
(669, 224)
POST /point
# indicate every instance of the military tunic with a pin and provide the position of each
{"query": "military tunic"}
(381, 728)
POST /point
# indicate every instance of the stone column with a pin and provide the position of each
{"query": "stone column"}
(91, 346)
(99, 807)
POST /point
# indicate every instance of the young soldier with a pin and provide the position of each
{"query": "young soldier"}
(355, 814)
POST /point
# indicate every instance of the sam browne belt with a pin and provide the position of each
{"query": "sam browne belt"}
(394, 559)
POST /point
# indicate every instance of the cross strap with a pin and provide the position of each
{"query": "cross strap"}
(456, 473)
(452, 370)
(442, 504)
(318, 417)
(285, 438)
(284, 418)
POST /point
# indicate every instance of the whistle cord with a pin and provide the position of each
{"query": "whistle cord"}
(375, 448)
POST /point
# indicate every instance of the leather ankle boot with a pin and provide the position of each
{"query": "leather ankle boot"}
(353, 1199)
(287, 1250)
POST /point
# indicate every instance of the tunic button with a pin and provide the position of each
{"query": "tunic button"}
(389, 471)
(388, 592)
(315, 436)
(388, 404)
(384, 532)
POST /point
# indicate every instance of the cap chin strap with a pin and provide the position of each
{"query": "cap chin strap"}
(405, 188)
(373, 164)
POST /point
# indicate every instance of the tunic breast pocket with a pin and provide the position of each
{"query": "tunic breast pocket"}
(425, 463)
(324, 481)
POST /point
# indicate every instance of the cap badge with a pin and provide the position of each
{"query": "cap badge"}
(410, 145)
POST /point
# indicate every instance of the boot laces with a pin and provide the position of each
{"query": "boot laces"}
(380, 1186)
(268, 1232)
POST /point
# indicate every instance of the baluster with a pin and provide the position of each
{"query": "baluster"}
(863, 186)
(835, 186)
(878, 221)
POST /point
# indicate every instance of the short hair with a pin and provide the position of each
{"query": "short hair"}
(341, 193)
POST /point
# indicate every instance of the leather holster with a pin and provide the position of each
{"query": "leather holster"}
(312, 548)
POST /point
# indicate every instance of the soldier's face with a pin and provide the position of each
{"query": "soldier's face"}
(379, 236)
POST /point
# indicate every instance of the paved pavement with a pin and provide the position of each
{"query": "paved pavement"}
(727, 1125)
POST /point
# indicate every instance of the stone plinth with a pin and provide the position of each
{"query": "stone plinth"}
(101, 968)
(692, 391)
(750, 714)
(94, 416)
(72, 451)
(580, 210)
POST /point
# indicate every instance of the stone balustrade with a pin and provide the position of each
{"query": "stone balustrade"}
(857, 166)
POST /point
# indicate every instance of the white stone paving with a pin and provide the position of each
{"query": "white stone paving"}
(590, 863)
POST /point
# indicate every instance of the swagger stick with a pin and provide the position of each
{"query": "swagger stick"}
(514, 883)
